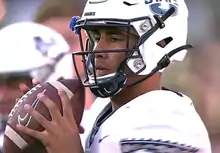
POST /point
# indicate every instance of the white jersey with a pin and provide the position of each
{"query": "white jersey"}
(160, 121)
(90, 115)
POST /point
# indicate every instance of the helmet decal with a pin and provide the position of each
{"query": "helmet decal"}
(162, 8)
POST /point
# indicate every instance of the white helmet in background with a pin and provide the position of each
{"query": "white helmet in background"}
(30, 48)
(161, 26)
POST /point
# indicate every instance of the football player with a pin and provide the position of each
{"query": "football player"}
(129, 44)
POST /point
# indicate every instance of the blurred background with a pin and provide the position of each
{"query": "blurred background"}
(198, 75)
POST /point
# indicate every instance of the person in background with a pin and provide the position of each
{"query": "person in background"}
(56, 14)
(204, 74)
(27, 51)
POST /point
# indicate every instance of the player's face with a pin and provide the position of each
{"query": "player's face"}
(9, 91)
(110, 39)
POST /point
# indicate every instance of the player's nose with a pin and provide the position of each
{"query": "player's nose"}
(100, 49)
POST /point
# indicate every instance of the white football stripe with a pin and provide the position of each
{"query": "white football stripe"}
(15, 137)
(58, 85)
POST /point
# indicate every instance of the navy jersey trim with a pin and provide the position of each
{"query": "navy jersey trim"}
(155, 146)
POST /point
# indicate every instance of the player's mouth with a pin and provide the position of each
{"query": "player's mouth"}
(101, 71)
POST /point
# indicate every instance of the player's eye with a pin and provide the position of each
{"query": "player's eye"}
(115, 38)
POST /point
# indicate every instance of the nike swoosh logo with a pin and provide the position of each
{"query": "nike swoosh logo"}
(133, 4)
(130, 4)
(27, 117)
(97, 1)
(100, 140)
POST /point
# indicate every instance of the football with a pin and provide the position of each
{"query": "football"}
(18, 142)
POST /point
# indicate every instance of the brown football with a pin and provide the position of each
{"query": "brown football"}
(18, 142)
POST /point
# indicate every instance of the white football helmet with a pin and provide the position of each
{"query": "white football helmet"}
(29, 48)
(162, 29)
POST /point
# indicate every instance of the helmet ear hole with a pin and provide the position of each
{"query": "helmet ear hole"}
(163, 43)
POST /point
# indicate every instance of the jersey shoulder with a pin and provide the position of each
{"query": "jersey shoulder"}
(161, 99)
(164, 107)
(165, 116)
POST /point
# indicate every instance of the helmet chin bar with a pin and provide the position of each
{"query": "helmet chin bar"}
(109, 86)
(112, 84)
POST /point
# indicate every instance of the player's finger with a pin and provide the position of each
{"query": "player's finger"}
(16, 100)
(35, 81)
(24, 88)
(53, 109)
(36, 134)
(67, 108)
(60, 78)
(38, 117)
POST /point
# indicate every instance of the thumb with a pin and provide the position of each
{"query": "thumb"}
(24, 88)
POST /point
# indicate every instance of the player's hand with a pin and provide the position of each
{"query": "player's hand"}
(25, 88)
(61, 134)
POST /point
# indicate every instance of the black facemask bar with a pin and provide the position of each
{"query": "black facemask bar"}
(89, 54)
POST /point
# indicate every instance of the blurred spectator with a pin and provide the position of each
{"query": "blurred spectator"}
(15, 68)
(57, 15)
(27, 49)
(205, 73)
